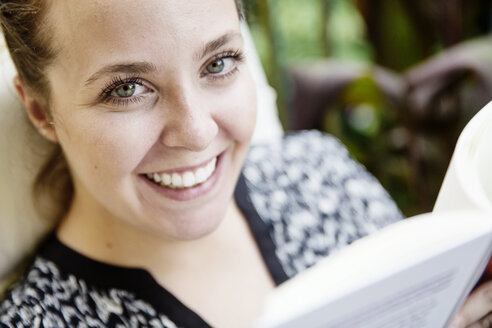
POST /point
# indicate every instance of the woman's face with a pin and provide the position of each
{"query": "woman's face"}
(154, 108)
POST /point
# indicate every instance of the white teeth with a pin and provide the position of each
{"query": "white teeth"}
(211, 165)
(201, 175)
(209, 169)
(166, 179)
(177, 180)
(187, 179)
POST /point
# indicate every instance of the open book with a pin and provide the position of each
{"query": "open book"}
(413, 274)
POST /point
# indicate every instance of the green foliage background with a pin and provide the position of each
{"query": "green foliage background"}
(406, 152)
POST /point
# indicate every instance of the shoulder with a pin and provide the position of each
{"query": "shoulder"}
(314, 196)
(47, 297)
(29, 302)
(299, 156)
(311, 166)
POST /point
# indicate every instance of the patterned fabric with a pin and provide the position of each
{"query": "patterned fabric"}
(304, 197)
(50, 299)
(314, 198)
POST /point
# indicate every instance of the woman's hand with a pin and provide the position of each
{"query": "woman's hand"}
(477, 310)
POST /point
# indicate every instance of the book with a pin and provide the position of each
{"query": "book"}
(468, 180)
(415, 273)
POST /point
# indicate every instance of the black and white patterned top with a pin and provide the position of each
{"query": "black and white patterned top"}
(303, 197)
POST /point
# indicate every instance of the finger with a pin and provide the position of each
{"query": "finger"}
(478, 305)
(485, 322)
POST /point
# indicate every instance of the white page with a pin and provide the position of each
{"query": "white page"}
(425, 296)
(404, 288)
(468, 180)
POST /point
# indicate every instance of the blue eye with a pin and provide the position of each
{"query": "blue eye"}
(217, 66)
(125, 90)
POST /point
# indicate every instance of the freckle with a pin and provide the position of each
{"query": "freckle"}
(109, 245)
(95, 167)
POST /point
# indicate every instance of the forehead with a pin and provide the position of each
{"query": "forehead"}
(94, 14)
(84, 30)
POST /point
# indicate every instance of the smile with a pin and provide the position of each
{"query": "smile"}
(188, 179)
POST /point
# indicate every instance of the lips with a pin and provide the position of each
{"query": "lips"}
(186, 179)
(195, 191)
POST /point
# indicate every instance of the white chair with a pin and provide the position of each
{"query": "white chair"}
(21, 158)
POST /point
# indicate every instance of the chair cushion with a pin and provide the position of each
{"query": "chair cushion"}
(21, 157)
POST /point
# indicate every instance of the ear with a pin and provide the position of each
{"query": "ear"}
(36, 111)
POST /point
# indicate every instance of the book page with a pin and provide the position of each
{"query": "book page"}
(424, 296)
(468, 180)
(390, 287)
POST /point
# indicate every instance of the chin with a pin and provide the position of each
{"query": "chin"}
(193, 226)
(197, 213)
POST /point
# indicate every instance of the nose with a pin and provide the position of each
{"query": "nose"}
(189, 123)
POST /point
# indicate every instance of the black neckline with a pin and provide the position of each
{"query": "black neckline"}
(142, 284)
(134, 280)
(260, 231)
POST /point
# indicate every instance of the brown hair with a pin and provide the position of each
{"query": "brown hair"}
(28, 40)
(27, 37)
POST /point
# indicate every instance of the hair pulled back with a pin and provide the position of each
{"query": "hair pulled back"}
(27, 36)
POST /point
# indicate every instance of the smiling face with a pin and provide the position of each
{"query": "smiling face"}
(154, 108)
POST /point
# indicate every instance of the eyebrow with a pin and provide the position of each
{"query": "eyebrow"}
(126, 68)
(213, 45)
(146, 67)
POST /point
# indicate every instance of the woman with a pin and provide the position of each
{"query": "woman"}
(166, 225)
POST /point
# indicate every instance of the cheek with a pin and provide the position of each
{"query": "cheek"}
(237, 110)
(111, 144)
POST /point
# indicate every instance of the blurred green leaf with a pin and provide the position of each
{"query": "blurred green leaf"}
(401, 123)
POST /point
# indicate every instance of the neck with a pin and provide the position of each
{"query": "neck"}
(102, 237)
